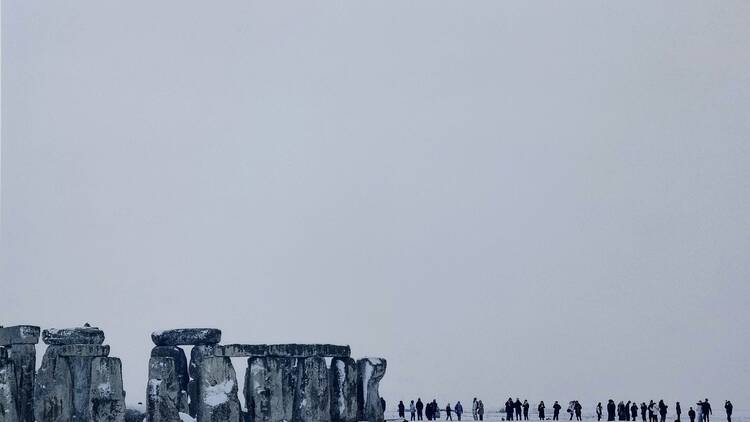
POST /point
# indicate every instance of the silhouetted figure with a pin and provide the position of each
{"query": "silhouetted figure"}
(428, 411)
(678, 410)
(728, 407)
(475, 409)
(644, 408)
(634, 411)
(577, 408)
(401, 409)
(480, 410)
(509, 409)
(651, 411)
(540, 409)
(518, 407)
(420, 407)
(526, 410)
(570, 410)
(599, 411)
(663, 411)
(448, 414)
(611, 410)
(707, 412)
(412, 410)
(556, 411)
(459, 409)
(691, 414)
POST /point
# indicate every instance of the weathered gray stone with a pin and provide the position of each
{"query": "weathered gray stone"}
(197, 354)
(19, 334)
(217, 391)
(241, 350)
(80, 371)
(78, 335)
(3, 353)
(369, 372)
(344, 407)
(186, 336)
(84, 350)
(107, 398)
(308, 350)
(53, 389)
(163, 391)
(180, 370)
(314, 395)
(23, 356)
(134, 415)
(8, 391)
(270, 388)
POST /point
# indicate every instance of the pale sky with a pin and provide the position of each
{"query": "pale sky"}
(547, 200)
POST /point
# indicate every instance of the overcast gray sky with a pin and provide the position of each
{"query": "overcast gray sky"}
(540, 199)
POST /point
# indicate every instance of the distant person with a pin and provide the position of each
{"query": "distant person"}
(728, 407)
(518, 407)
(526, 410)
(509, 409)
(571, 405)
(599, 411)
(556, 411)
(644, 408)
(480, 410)
(706, 410)
(412, 410)
(448, 412)
(691, 414)
(634, 411)
(678, 410)
(401, 409)
(611, 410)
(663, 411)
(577, 408)
(540, 409)
(435, 410)
(651, 411)
(459, 409)
(419, 406)
(428, 411)
(699, 410)
(474, 409)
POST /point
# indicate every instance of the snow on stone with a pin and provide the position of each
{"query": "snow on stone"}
(219, 393)
(184, 417)
(105, 389)
(153, 386)
(341, 368)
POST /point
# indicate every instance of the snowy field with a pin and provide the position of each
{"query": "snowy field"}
(739, 415)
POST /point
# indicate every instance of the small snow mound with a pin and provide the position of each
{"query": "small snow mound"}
(184, 417)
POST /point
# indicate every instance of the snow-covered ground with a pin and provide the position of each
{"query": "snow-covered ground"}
(739, 415)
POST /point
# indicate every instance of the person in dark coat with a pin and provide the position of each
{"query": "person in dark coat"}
(706, 410)
(634, 411)
(428, 411)
(420, 407)
(448, 414)
(577, 408)
(678, 410)
(401, 409)
(509, 409)
(459, 409)
(480, 410)
(644, 408)
(611, 410)
(599, 411)
(663, 411)
(728, 407)
(526, 410)
(540, 409)
(691, 414)
(556, 411)
(518, 407)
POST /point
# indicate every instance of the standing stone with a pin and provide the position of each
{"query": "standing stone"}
(370, 371)
(8, 390)
(53, 389)
(271, 385)
(314, 394)
(217, 391)
(24, 362)
(107, 398)
(180, 371)
(80, 372)
(197, 354)
(163, 391)
(19, 334)
(344, 406)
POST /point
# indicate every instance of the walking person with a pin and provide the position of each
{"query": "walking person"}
(525, 410)
(599, 411)
(401, 409)
(419, 406)
(556, 411)
(540, 408)
(459, 409)
(448, 410)
(728, 407)
(412, 410)
(480, 410)
(691, 414)
(577, 408)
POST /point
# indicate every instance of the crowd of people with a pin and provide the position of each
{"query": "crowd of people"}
(518, 410)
